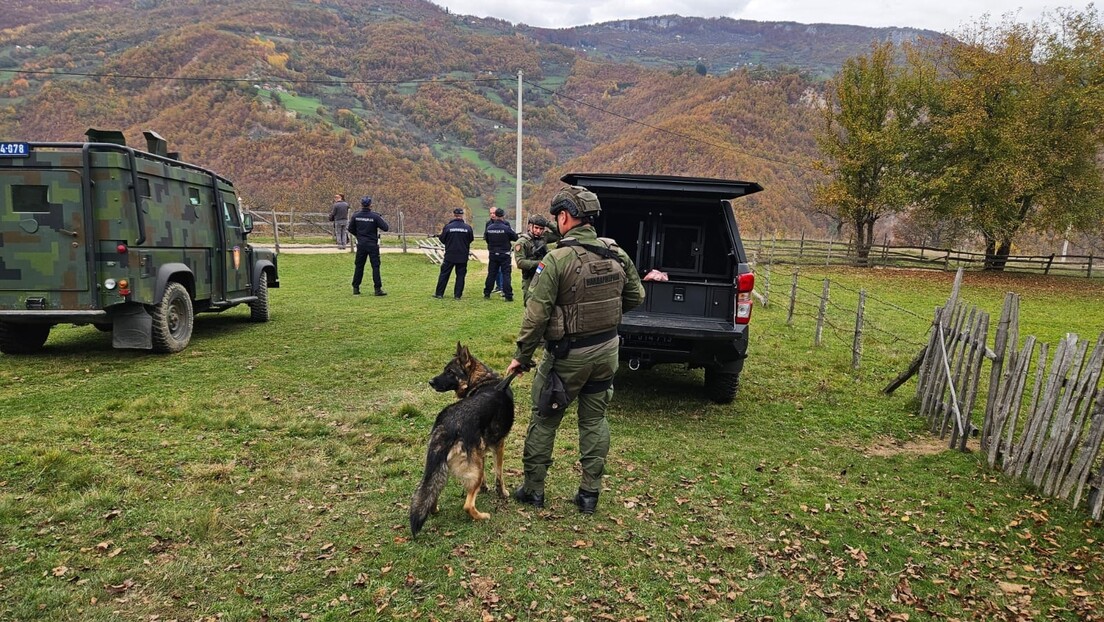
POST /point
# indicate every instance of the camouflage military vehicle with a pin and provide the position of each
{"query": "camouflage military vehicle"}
(133, 242)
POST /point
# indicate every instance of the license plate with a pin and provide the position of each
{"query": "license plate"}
(14, 150)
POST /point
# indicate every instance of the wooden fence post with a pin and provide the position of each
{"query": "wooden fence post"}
(820, 314)
(1000, 345)
(1089, 275)
(885, 248)
(856, 344)
(276, 231)
(766, 284)
(828, 257)
(402, 229)
(801, 251)
(1049, 261)
(793, 299)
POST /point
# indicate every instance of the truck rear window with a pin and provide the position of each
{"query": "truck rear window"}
(30, 198)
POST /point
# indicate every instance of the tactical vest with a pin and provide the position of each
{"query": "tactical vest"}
(589, 299)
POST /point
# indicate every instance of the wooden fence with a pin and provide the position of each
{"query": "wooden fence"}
(290, 224)
(1056, 446)
(839, 252)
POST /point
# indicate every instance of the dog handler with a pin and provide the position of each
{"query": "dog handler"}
(576, 299)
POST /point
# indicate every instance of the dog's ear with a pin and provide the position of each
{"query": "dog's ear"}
(464, 354)
(459, 349)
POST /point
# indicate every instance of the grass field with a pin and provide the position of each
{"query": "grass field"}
(264, 474)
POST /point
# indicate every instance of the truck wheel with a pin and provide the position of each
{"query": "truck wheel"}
(721, 386)
(258, 309)
(172, 319)
(22, 338)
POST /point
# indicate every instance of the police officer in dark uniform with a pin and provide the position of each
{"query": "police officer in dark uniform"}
(498, 237)
(457, 237)
(366, 225)
(578, 293)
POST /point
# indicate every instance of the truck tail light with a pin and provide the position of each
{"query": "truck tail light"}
(124, 287)
(744, 284)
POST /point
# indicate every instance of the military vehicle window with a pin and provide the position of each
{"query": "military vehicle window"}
(30, 198)
(144, 187)
(230, 214)
(681, 248)
(193, 196)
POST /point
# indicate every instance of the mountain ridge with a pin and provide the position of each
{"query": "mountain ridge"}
(416, 106)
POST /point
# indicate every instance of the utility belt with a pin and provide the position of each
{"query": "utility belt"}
(560, 348)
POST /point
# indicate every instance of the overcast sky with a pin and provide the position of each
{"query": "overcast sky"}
(940, 15)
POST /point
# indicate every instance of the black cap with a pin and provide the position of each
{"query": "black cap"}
(365, 201)
(458, 211)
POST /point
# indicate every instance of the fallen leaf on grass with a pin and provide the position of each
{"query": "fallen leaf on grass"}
(122, 587)
(1012, 588)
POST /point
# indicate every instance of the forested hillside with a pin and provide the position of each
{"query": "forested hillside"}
(399, 99)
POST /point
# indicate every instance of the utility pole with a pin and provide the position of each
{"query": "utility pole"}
(517, 208)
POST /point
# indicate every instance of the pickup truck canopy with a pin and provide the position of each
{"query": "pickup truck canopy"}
(695, 187)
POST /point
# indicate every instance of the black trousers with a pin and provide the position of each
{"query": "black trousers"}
(364, 252)
(499, 264)
(443, 278)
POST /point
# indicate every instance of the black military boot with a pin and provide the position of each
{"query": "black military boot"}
(528, 497)
(587, 502)
(380, 292)
(356, 291)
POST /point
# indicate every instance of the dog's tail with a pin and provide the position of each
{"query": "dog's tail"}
(433, 482)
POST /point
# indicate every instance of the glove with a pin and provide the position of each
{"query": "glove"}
(539, 251)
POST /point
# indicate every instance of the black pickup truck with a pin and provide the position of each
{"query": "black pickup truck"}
(684, 229)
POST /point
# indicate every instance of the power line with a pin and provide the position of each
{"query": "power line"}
(332, 82)
(328, 82)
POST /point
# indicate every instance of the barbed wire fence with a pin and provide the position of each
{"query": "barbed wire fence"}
(811, 298)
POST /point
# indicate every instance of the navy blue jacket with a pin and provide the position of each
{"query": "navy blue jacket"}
(498, 236)
(366, 225)
(457, 237)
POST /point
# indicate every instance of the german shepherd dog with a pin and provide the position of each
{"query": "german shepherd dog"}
(462, 434)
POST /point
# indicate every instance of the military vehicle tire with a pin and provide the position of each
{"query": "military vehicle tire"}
(721, 386)
(22, 338)
(258, 309)
(173, 319)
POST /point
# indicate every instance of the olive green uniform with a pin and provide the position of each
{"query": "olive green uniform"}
(528, 254)
(570, 298)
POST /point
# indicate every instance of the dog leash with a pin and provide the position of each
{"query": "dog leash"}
(505, 382)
